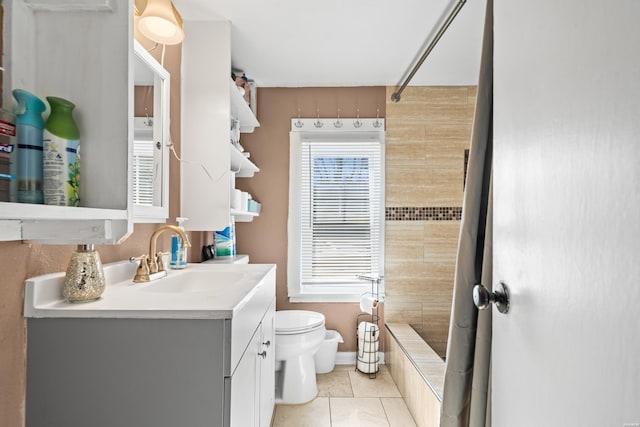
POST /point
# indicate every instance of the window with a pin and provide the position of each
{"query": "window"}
(336, 215)
(143, 172)
(146, 165)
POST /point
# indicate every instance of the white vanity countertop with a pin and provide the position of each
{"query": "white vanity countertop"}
(201, 291)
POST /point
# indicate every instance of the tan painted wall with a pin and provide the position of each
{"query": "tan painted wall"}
(265, 239)
(427, 133)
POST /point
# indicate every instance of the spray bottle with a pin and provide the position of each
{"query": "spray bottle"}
(224, 241)
(8, 157)
(178, 252)
(61, 155)
(29, 127)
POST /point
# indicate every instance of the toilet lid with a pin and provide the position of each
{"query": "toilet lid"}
(296, 321)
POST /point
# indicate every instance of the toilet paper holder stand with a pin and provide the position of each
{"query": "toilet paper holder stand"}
(375, 288)
(375, 293)
(367, 361)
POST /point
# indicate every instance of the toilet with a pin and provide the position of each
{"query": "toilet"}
(299, 334)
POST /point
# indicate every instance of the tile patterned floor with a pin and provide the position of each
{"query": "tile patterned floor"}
(347, 398)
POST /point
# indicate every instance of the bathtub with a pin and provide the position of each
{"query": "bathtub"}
(417, 370)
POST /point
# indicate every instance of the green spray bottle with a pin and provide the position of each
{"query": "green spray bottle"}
(61, 155)
(29, 128)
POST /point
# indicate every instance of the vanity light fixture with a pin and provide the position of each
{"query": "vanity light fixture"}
(161, 22)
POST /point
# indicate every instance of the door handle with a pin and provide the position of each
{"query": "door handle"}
(483, 298)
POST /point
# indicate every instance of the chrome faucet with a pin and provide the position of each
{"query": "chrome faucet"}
(151, 266)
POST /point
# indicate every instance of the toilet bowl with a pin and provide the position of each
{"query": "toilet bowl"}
(299, 334)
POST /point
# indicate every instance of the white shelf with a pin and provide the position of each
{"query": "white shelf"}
(243, 216)
(237, 259)
(241, 165)
(44, 212)
(240, 110)
(62, 224)
(70, 5)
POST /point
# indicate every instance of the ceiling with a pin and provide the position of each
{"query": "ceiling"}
(293, 43)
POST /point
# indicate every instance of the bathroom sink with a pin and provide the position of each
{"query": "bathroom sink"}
(201, 280)
(201, 291)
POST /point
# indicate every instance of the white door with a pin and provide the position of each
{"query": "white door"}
(567, 213)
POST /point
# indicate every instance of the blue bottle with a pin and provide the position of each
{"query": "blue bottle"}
(178, 259)
(29, 130)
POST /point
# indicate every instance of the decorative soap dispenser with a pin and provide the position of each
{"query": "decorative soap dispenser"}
(84, 281)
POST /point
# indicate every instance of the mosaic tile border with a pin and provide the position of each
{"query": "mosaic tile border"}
(428, 213)
(466, 166)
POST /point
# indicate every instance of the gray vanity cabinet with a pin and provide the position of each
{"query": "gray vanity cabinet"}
(154, 372)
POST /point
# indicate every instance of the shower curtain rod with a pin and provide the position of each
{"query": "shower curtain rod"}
(395, 97)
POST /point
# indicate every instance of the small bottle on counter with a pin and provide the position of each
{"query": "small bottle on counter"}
(178, 251)
(224, 241)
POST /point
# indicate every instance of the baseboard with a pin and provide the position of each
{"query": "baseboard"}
(349, 358)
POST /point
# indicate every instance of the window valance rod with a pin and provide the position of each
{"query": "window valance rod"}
(395, 97)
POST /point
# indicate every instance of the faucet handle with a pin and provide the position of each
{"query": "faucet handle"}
(135, 259)
(142, 273)
(159, 261)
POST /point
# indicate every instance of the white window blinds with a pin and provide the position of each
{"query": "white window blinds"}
(339, 200)
(143, 172)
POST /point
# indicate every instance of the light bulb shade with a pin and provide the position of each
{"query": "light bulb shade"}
(161, 22)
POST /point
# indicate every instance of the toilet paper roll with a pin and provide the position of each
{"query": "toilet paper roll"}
(236, 199)
(368, 303)
(367, 366)
(368, 331)
(367, 347)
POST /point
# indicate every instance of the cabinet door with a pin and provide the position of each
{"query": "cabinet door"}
(267, 367)
(244, 386)
(50, 48)
(150, 163)
(205, 149)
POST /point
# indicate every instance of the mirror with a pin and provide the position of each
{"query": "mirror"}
(150, 161)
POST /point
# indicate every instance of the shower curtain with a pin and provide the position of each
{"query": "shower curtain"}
(466, 396)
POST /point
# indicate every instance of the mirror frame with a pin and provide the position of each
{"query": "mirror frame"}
(161, 111)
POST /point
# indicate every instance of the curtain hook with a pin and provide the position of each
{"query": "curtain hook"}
(148, 121)
(318, 123)
(298, 123)
(377, 123)
(357, 123)
(338, 122)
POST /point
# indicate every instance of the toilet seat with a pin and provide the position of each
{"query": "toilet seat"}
(289, 322)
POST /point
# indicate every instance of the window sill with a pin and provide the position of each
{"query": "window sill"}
(330, 298)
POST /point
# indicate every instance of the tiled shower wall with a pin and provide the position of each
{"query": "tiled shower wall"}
(427, 134)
